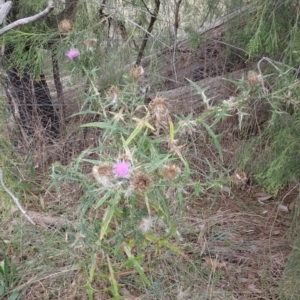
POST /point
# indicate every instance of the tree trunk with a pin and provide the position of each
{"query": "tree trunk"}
(31, 105)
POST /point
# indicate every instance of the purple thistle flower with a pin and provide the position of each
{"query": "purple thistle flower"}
(73, 53)
(122, 169)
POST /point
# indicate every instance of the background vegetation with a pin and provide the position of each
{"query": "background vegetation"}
(136, 198)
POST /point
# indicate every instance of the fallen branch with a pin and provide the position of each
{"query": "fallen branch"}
(16, 200)
(46, 221)
(28, 20)
(5, 7)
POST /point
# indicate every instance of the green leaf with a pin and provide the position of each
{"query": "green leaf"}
(215, 139)
(14, 296)
(201, 92)
(102, 125)
(134, 133)
(2, 288)
(110, 211)
(198, 88)
(241, 115)
(141, 272)
(171, 247)
(103, 199)
(163, 242)
(2, 267)
(113, 283)
(85, 112)
(133, 261)
(6, 270)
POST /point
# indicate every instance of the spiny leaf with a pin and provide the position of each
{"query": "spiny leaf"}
(102, 125)
(109, 213)
(215, 139)
(133, 261)
(113, 282)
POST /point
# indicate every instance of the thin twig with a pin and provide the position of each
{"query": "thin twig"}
(176, 26)
(31, 19)
(273, 63)
(16, 200)
(148, 32)
(177, 17)
(147, 8)
(59, 89)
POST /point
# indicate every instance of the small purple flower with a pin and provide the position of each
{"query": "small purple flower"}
(122, 169)
(73, 53)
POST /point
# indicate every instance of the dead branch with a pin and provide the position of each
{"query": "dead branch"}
(177, 17)
(45, 220)
(28, 20)
(148, 32)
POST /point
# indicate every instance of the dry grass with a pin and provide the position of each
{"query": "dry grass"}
(235, 250)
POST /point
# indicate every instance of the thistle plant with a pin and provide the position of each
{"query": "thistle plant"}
(129, 181)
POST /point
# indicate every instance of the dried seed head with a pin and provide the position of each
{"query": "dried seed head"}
(140, 182)
(170, 172)
(90, 44)
(113, 93)
(137, 72)
(239, 178)
(160, 114)
(187, 127)
(65, 26)
(103, 174)
(145, 224)
(175, 148)
(159, 105)
(253, 78)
